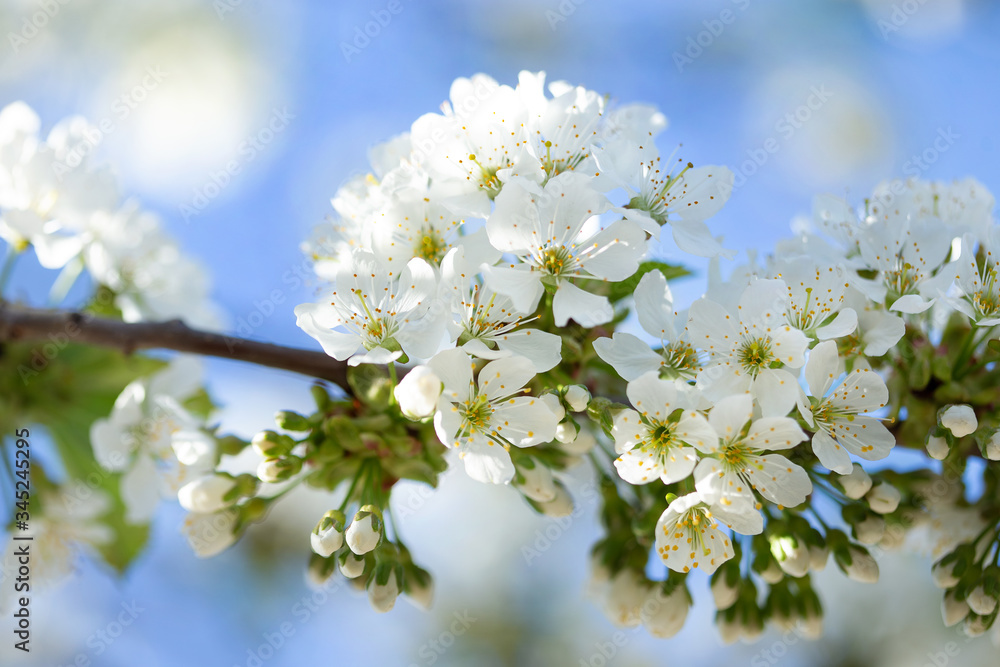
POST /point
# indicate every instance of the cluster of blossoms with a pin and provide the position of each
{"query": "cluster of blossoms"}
(498, 250)
(489, 244)
(54, 200)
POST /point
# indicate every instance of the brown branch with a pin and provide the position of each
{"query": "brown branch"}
(24, 324)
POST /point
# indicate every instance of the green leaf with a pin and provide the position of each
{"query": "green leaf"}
(626, 288)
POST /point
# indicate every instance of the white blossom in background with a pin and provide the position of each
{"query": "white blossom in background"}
(70, 523)
(153, 440)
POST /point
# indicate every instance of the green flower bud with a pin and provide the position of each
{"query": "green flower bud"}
(279, 470)
(272, 445)
(291, 421)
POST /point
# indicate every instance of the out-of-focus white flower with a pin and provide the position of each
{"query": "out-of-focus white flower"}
(418, 392)
(206, 494)
(960, 420)
(149, 436)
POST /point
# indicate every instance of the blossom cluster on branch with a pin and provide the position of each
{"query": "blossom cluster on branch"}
(509, 251)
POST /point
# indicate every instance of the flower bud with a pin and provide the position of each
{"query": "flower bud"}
(553, 403)
(382, 596)
(538, 483)
(943, 576)
(365, 531)
(959, 419)
(729, 629)
(818, 555)
(725, 593)
(857, 564)
(975, 625)
(991, 446)
(980, 601)
(883, 498)
(856, 484)
(352, 566)
(272, 445)
(772, 574)
(937, 448)
(211, 534)
(561, 505)
(291, 421)
(320, 569)
(626, 595)
(207, 494)
(566, 432)
(418, 392)
(664, 615)
(870, 530)
(328, 535)
(953, 610)
(577, 397)
(420, 588)
(791, 554)
(273, 471)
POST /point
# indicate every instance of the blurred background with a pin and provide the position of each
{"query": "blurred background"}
(851, 91)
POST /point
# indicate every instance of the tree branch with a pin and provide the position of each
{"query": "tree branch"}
(24, 324)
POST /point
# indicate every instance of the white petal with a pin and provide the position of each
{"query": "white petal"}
(525, 421)
(588, 310)
(542, 348)
(843, 324)
(779, 480)
(823, 368)
(654, 306)
(831, 454)
(486, 462)
(912, 304)
(628, 355)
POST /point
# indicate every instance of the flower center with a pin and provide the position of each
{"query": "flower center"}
(755, 354)
(735, 454)
(555, 260)
(431, 246)
(679, 360)
(476, 413)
